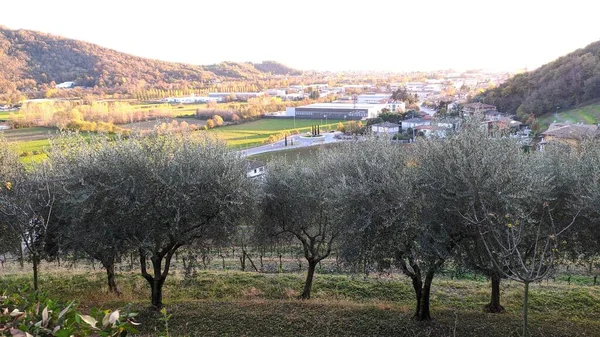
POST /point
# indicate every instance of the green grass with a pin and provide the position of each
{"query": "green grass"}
(233, 303)
(4, 115)
(589, 114)
(255, 133)
(291, 154)
(28, 140)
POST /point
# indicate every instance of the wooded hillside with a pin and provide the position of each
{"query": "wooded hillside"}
(32, 61)
(569, 81)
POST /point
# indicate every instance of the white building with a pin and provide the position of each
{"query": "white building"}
(255, 168)
(414, 122)
(385, 128)
(191, 99)
(372, 98)
(396, 106)
(65, 85)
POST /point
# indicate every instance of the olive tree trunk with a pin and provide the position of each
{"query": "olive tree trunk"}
(494, 305)
(312, 264)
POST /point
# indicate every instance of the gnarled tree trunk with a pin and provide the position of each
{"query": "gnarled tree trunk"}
(494, 305)
(312, 264)
(157, 280)
(110, 276)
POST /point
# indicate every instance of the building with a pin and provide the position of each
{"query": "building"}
(432, 130)
(571, 134)
(396, 106)
(65, 85)
(255, 168)
(336, 111)
(414, 122)
(386, 128)
(191, 99)
(472, 109)
(373, 98)
(242, 96)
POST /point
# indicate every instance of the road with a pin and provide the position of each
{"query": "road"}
(297, 140)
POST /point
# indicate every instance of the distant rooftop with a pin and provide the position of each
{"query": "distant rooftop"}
(573, 131)
(386, 125)
(342, 106)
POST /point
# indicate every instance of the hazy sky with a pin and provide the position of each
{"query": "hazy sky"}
(332, 35)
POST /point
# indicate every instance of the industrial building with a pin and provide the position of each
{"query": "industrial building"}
(336, 111)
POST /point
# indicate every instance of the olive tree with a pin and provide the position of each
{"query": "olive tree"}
(521, 221)
(153, 194)
(181, 189)
(584, 242)
(299, 202)
(90, 202)
(10, 169)
(389, 217)
(470, 174)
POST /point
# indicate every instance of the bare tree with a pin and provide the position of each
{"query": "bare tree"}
(28, 209)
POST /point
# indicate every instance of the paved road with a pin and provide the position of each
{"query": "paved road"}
(297, 140)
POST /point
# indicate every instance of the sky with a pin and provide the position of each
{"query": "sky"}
(324, 35)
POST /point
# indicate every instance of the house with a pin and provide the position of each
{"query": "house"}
(571, 134)
(386, 128)
(255, 168)
(472, 109)
(502, 123)
(414, 122)
(431, 130)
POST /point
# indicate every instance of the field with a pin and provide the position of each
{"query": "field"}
(291, 154)
(29, 140)
(589, 114)
(235, 303)
(255, 133)
(5, 114)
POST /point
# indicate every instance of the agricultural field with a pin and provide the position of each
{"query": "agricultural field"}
(235, 303)
(4, 115)
(29, 140)
(256, 133)
(589, 114)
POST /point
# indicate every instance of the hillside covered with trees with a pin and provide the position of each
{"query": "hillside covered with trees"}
(570, 81)
(33, 61)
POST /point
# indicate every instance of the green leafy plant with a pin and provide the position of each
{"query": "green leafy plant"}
(24, 313)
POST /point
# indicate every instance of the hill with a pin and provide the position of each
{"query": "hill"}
(570, 81)
(250, 70)
(32, 61)
(587, 114)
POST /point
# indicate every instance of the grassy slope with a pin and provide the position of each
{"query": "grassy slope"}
(589, 114)
(233, 303)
